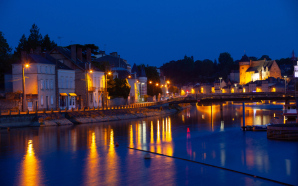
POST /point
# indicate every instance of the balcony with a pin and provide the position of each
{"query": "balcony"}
(101, 89)
(91, 89)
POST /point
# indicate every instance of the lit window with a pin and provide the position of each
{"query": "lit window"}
(41, 100)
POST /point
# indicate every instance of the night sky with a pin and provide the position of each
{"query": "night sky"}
(155, 32)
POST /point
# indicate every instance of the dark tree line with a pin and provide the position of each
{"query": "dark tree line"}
(187, 70)
(34, 40)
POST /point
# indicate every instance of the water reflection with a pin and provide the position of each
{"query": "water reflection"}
(30, 173)
(163, 133)
(92, 161)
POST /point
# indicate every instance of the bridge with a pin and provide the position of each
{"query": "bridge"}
(236, 97)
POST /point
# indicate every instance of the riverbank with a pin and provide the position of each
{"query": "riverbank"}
(91, 116)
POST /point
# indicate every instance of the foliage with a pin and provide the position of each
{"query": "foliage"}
(153, 76)
(265, 56)
(103, 66)
(47, 44)
(34, 40)
(4, 47)
(4, 58)
(173, 89)
(226, 63)
(118, 88)
(253, 58)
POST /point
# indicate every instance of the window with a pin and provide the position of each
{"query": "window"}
(41, 84)
(46, 70)
(91, 98)
(52, 101)
(47, 84)
(70, 82)
(66, 82)
(41, 100)
(40, 69)
(62, 82)
(51, 84)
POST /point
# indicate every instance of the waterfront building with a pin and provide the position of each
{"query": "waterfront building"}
(40, 84)
(115, 64)
(89, 81)
(257, 70)
(218, 85)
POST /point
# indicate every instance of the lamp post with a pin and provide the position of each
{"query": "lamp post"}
(220, 78)
(285, 84)
(105, 100)
(23, 77)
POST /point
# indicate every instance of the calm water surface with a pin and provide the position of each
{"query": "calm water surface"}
(87, 154)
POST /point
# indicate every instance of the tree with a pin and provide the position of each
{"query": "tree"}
(265, 57)
(5, 63)
(4, 47)
(47, 44)
(22, 46)
(35, 38)
(225, 64)
(118, 88)
(253, 58)
(152, 76)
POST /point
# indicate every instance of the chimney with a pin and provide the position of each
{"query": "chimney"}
(88, 55)
(79, 53)
(73, 52)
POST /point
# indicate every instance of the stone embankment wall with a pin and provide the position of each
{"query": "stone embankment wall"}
(82, 117)
(282, 131)
(18, 121)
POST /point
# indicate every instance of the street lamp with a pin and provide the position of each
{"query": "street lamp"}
(168, 82)
(285, 84)
(24, 95)
(129, 76)
(150, 82)
(156, 84)
(220, 78)
(106, 89)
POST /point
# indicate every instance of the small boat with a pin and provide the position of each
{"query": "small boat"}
(259, 127)
(256, 128)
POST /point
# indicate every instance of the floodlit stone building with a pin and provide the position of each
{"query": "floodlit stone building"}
(257, 70)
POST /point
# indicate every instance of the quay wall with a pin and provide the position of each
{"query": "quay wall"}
(282, 131)
(18, 121)
(83, 117)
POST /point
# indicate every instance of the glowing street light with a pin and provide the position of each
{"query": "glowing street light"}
(129, 76)
(168, 82)
(109, 73)
(285, 84)
(90, 71)
(24, 95)
(150, 82)
(156, 84)
(220, 78)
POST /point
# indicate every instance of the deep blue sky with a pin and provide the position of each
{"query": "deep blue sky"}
(158, 31)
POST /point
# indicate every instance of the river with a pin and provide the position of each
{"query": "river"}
(89, 154)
